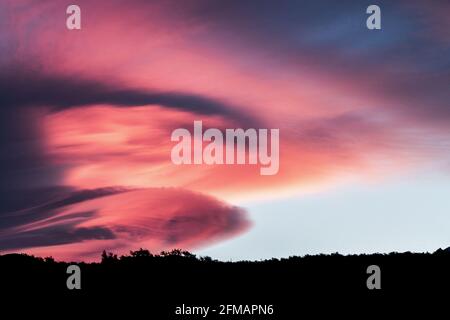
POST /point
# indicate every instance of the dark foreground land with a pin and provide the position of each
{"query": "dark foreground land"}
(156, 286)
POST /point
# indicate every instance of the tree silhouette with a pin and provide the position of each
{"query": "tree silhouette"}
(108, 257)
(141, 253)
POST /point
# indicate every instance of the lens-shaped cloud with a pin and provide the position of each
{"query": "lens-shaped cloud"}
(80, 224)
(94, 108)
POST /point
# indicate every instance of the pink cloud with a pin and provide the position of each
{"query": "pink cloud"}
(337, 119)
(153, 218)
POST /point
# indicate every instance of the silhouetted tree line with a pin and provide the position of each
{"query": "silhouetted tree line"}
(172, 278)
(179, 255)
(175, 254)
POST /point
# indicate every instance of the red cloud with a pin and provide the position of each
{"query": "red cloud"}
(154, 218)
(341, 111)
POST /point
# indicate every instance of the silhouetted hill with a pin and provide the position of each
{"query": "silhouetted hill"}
(170, 279)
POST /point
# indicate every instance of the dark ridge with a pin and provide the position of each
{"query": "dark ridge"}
(162, 282)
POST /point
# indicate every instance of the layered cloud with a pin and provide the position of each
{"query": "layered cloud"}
(86, 115)
(83, 223)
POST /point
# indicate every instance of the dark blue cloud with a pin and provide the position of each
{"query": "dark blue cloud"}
(408, 61)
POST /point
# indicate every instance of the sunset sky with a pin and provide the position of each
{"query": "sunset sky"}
(86, 118)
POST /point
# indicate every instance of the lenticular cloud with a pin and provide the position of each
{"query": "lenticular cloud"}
(81, 224)
(86, 115)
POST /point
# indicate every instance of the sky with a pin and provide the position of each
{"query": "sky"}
(86, 118)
